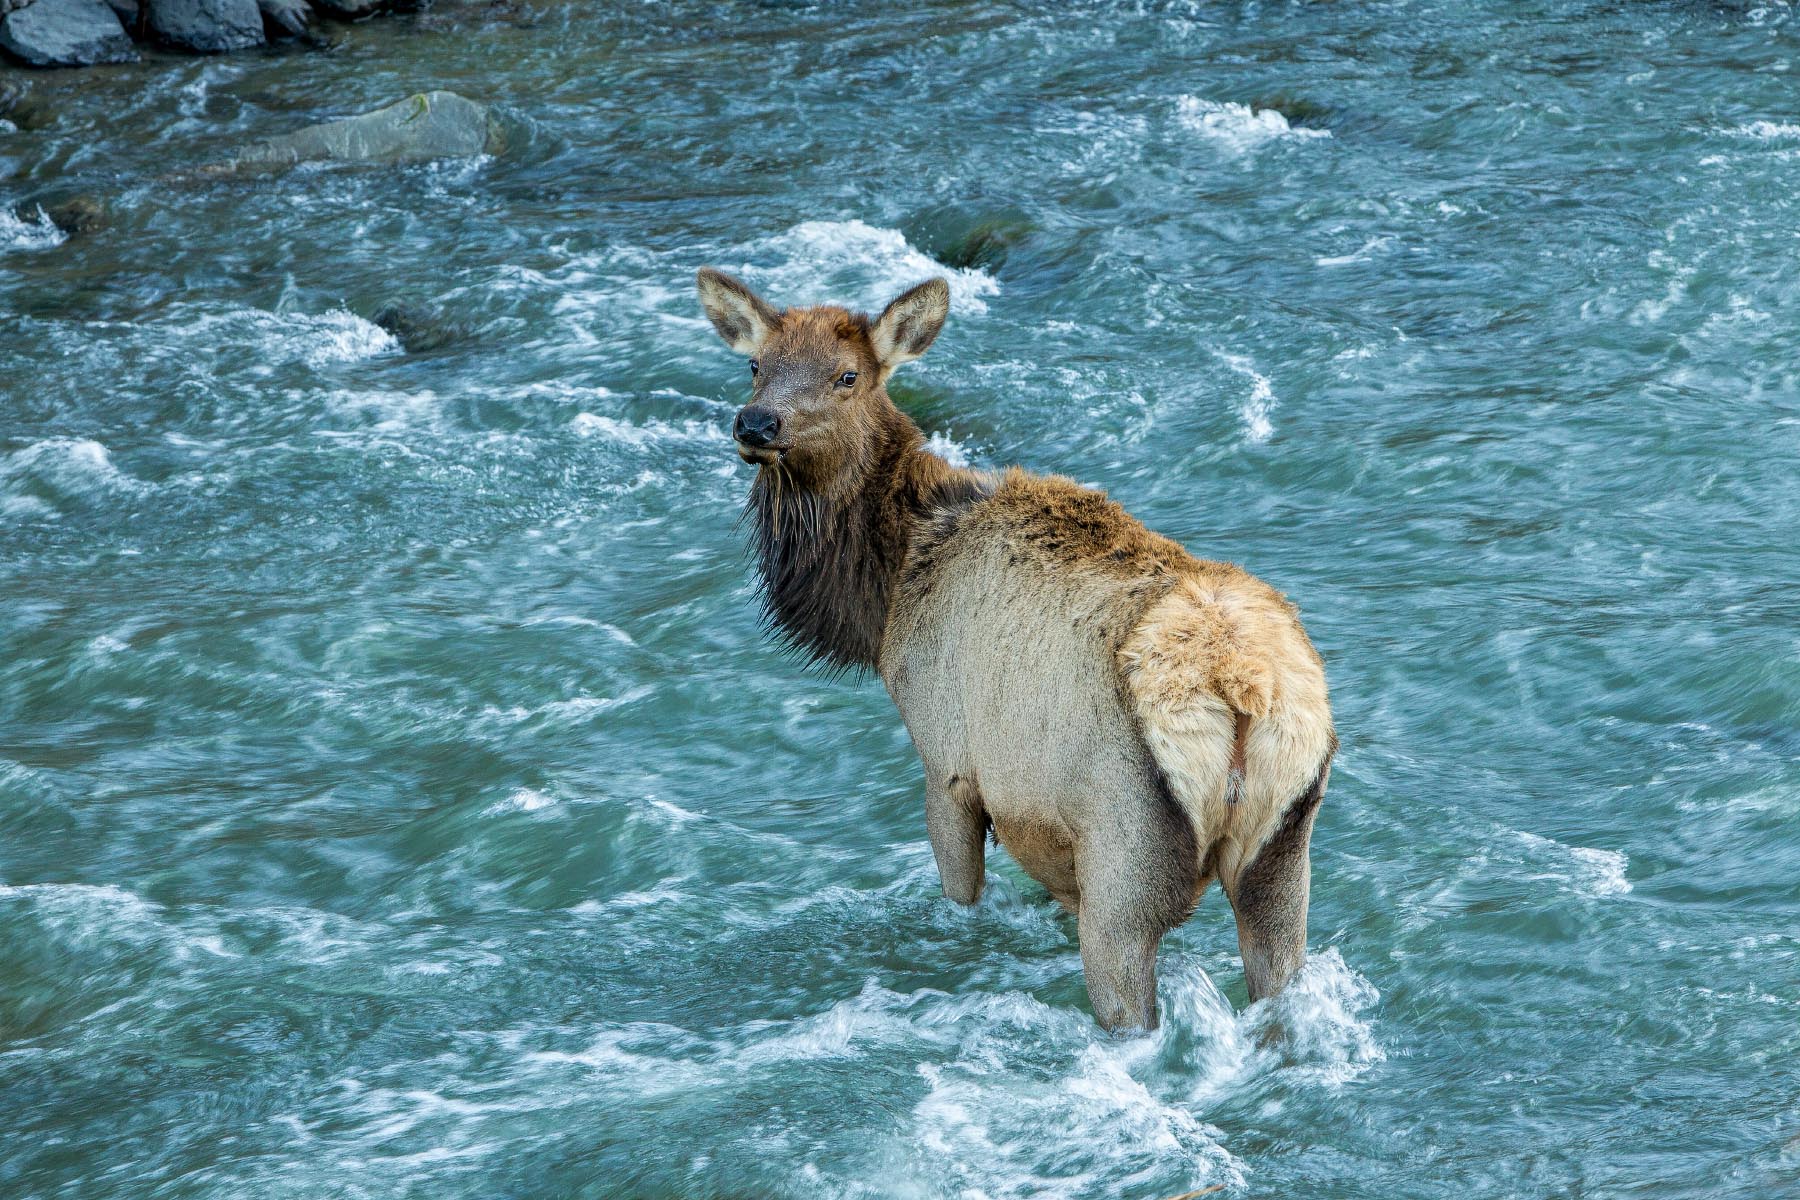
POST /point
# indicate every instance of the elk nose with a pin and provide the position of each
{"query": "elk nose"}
(756, 426)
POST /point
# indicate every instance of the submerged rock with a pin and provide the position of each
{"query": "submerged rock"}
(19, 109)
(65, 33)
(418, 129)
(206, 26)
(965, 236)
(419, 324)
(78, 214)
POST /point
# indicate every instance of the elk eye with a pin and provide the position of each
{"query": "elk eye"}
(847, 379)
(753, 366)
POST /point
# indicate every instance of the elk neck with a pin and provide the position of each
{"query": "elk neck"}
(829, 551)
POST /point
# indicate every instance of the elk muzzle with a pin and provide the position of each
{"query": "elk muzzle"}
(756, 430)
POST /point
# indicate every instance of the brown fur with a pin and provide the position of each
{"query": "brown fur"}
(1130, 721)
(827, 560)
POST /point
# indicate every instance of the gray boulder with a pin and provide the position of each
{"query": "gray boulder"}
(418, 129)
(288, 16)
(206, 26)
(65, 33)
(351, 9)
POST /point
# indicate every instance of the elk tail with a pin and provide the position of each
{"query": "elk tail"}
(1234, 773)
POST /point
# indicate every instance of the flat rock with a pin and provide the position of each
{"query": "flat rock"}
(417, 129)
(206, 26)
(65, 33)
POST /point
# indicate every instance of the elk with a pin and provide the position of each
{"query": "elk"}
(1130, 722)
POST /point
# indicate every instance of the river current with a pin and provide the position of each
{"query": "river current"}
(398, 796)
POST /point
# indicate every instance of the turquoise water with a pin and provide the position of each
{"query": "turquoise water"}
(399, 798)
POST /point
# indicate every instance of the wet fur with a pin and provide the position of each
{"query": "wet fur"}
(827, 561)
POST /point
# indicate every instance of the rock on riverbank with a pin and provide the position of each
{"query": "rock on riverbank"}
(63, 33)
(205, 26)
(81, 33)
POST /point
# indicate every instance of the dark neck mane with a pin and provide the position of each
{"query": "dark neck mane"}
(828, 558)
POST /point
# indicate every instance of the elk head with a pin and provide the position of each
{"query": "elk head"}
(818, 376)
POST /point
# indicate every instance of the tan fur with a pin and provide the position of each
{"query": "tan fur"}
(1045, 852)
(1223, 642)
(1131, 721)
(1092, 599)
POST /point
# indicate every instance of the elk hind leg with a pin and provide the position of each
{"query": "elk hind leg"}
(1118, 959)
(1270, 897)
(1137, 882)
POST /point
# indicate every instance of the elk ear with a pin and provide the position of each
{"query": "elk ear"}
(743, 318)
(907, 326)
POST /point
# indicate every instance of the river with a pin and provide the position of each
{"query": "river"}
(399, 797)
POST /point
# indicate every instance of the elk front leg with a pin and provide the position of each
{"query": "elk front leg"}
(957, 826)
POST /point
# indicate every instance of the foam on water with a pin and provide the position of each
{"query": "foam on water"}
(1258, 406)
(1096, 141)
(47, 476)
(948, 449)
(1782, 801)
(385, 411)
(523, 800)
(854, 263)
(195, 95)
(1512, 857)
(564, 713)
(1019, 1068)
(1585, 870)
(1001, 1069)
(1238, 127)
(625, 288)
(638, 435)
(315, 339)
(28, 233)
(85, 908)
(1768, 131)
(320, 340)
(1367, 251)
(102, 919)
(1323, 1015)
